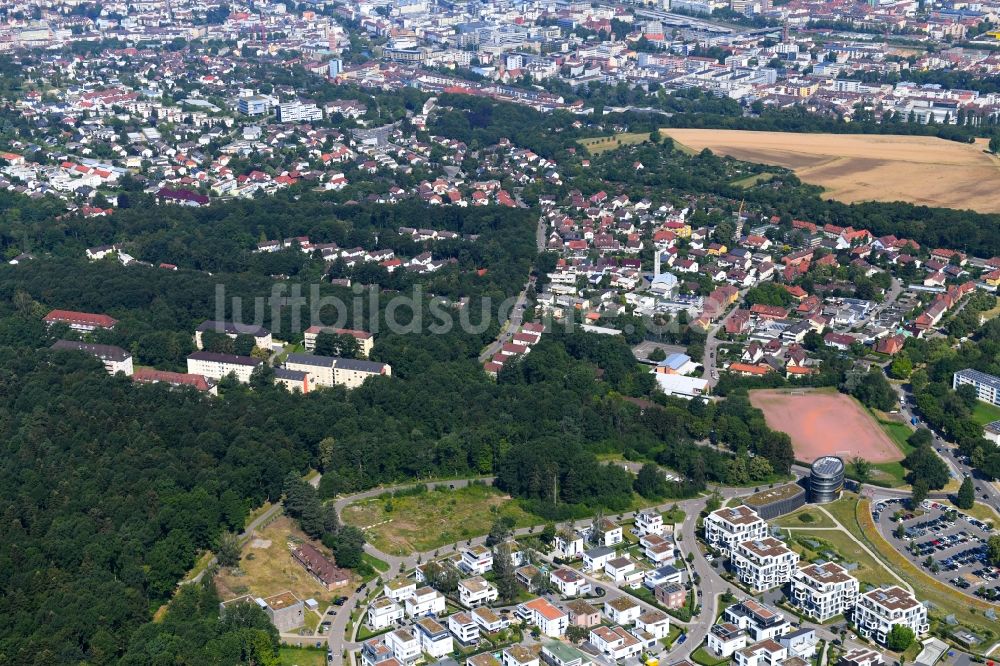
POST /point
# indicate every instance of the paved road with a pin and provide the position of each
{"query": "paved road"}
(709, 358)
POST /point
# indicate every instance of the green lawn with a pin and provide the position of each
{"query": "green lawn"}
(429, 520)
(375, 563)
(804, 518)
(599, 144)
(868, 570)
(706, 658)
(295, 656)
(984, 413)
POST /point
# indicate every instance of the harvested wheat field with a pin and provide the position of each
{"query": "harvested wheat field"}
(823, 423)
(868, 167)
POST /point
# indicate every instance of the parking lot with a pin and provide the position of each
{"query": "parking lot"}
(944, 543)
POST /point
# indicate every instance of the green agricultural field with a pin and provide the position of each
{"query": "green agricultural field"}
(751, 180)
(425, 521)
(601, 144)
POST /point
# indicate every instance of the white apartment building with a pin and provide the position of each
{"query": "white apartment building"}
(425, 601)
(476, 591)
(297, 112)
(435, 640)
(648, 521)
(365, 340)
(333, 371)
(261, 336)
(878, 611)
(217, 366)
(464, 628)
(824, 591)
(764, 563)
(384, 612)
(115, 359)
(476, 560)
(727, 527)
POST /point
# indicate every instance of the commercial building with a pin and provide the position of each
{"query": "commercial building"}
(217, 366)
(254, 105)
(826, 479)
(80, 321)
(115, 359)
(823, 591)
(764, 563)
(261, 336)
(878, 611)
(726, 527)
(774, 502)
(987, 386)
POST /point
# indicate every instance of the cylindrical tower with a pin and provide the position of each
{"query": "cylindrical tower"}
(826, 479)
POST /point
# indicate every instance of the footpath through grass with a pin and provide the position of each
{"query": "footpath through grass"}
(855, 516)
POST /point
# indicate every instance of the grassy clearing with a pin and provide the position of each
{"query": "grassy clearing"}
(855, 516)
(199, 566)
(984, 413)
(705, 658)
(601, 144)
(978, 511)
(804, 518)
(868, 571)
(750, 181)
(422, 522)
(257, 513)
(267, 567)
(375, 563)
(298, 656)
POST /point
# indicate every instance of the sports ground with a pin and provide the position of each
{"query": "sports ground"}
(822, 423)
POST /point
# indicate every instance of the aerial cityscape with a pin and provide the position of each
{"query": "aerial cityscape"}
(489, 333)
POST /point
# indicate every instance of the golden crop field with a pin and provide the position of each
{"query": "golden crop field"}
(866, 167)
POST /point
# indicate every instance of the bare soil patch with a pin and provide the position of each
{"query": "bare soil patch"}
(823, 423)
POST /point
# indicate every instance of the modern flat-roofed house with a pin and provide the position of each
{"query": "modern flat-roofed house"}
(657, 549)
(656, 623)
(115, 359)
(563, 654)
(648, 521)
(544, 615)
(482, 659)
(217, 366)
(518, 655)
(615, 642)
(435, 639)
(568, 545)
(760, 621)
(464, 628)
(425, 601)
(764, 563)
(488, 620)
(764, 653)
(366, 341)
(384, 612)
(725, 639)
(285, 610)
(726, 527)
(595, 558)
(569, 582)
(582, 614)
(261, 336)
(861, 657)
(670, 595)
(878, 611)
(80, 321)
(323, 569)
(622, 610)
(399, 589)
(476, 591)
(404, 645)
(824, 591)
(476, 560)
